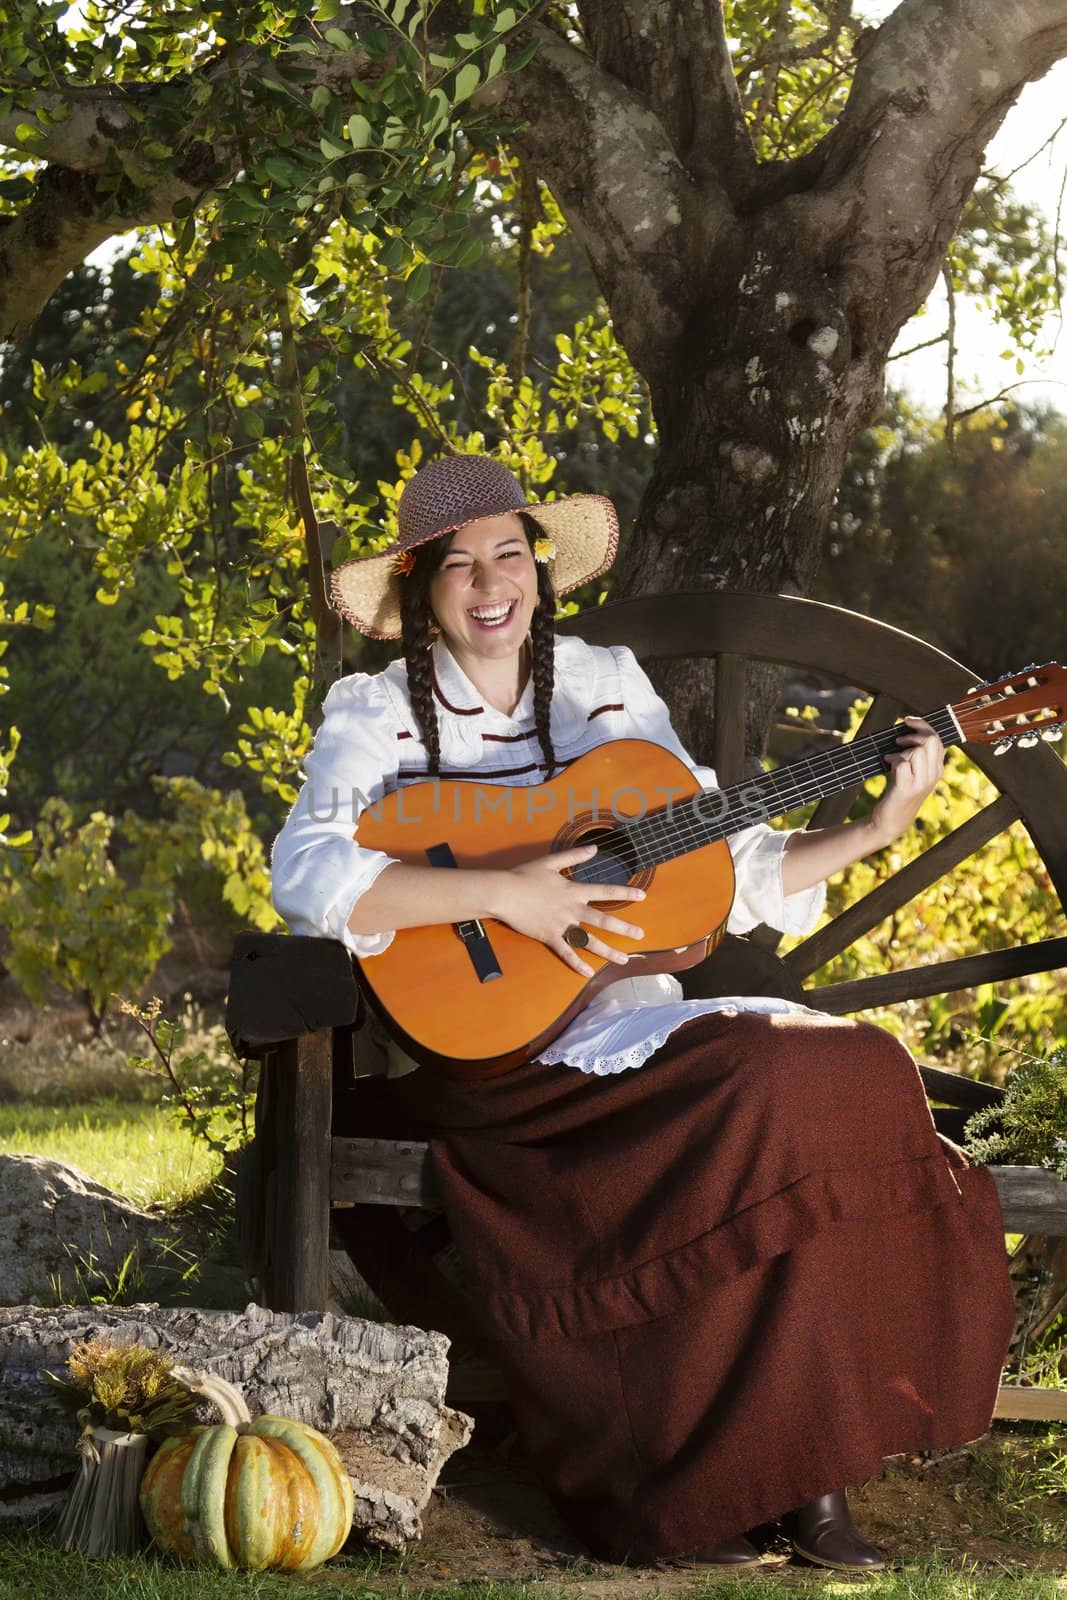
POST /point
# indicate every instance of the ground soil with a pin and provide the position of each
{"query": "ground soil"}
(489, 1521)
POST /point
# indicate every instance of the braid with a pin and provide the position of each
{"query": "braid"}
(543, 641)
(417, 636)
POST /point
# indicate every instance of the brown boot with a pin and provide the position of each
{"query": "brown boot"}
(823, 1532)
(737, 1553)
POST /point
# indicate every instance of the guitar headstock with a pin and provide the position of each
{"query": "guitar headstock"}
(1020, 709)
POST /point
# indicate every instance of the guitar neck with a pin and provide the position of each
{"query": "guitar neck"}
(720, 813)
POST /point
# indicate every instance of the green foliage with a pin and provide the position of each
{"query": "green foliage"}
(794, 68)
(1002, 895)
(206, 835)
(962, 546)
(122, 1386)
(210, 1091)
(133, 1146)
(71, 918)
(90, 906)
(1005, 256)
(1029, 1126)
(361, 278)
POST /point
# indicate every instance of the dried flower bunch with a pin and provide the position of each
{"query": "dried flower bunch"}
(122, 1386)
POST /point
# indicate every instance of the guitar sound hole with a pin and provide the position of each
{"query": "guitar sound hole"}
(613, 863)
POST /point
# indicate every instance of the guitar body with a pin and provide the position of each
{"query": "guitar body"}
(425, 985)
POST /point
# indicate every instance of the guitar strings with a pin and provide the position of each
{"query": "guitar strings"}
(660, 836)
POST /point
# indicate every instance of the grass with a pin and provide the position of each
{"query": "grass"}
(137, 1149)
(1017, 1489)
(31, 1568)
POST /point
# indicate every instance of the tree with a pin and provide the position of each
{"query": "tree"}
(764, 202)
(963, 546)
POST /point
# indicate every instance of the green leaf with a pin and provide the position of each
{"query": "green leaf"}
(504, 19)
(28, 133)
(417, 284)
(525, 56)
(332, 148)
(272, 268)
(394, 254)
(338, 38)
(359, 131)
(326, 10)
(496, 61)
(282, 171)
(469, 252)
(467, 80)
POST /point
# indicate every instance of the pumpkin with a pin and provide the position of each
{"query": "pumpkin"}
(268, 1493)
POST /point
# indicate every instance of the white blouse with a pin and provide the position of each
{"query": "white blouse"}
(369, 744)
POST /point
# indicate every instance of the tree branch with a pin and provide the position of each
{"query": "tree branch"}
(65, 220)
(932, 86)
(622, 186)
(80, 201)
(676, 55)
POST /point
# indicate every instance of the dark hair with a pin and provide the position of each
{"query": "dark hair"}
(418, 629)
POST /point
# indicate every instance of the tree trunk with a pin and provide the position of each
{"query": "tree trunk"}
(756, 413)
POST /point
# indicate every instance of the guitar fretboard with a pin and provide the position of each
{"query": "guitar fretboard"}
(720, 813)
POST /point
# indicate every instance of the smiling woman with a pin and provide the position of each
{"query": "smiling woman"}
(726, 1284)
(483, 591)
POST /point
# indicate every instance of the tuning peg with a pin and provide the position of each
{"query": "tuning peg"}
(1051, 735)
(1026, 741)
(1002, 747)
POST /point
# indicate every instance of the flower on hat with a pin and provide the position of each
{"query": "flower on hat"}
(544, 550)
(403, 563)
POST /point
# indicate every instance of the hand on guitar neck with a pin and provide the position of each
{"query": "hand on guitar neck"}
(915, 770)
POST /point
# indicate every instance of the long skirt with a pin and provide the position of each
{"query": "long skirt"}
(726, 1283)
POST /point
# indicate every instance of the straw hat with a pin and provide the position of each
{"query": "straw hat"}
(450, 493)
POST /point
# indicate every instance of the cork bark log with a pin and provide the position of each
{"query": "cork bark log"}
(376, 1389)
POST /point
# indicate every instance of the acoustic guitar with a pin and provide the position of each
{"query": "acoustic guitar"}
(476, 998)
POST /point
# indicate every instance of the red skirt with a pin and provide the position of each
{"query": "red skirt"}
(725, 1283)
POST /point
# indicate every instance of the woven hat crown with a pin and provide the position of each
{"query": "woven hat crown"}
(454, 490)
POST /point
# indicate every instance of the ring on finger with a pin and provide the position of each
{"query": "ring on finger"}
(576, 937)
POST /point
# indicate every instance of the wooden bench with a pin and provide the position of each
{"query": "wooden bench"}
(321, 1150)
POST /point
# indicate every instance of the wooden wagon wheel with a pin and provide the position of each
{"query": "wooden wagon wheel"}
(904, 675)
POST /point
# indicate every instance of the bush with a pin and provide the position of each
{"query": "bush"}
(1030, 1123)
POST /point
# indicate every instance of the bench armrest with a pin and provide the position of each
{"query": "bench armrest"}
(283, 986)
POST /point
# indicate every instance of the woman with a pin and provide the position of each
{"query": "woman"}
(727, 1284)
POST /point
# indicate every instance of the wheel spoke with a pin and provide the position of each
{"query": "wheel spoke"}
(942, 977)
(729, 719)
(903, 886)
(953, 1089)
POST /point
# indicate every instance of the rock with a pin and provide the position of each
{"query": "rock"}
(375, 1388)
(61, 1230)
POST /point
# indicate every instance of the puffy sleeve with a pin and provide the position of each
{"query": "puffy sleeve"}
(318, 871)
(757, 851)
